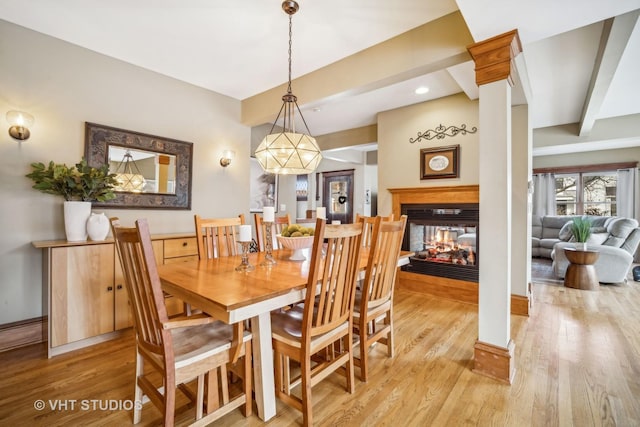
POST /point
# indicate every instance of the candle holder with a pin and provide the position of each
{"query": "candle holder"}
(268, 245)
(244, 264)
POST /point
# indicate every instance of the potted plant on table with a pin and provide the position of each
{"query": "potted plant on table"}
(79, 185)
(581, 229)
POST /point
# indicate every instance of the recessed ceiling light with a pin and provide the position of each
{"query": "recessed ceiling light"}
(422, 90)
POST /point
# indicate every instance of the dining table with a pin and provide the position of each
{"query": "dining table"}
(215, 287)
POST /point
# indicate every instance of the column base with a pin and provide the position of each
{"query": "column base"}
(495, 362)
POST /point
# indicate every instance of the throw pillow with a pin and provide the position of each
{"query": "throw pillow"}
(565, 232)
(597, 238)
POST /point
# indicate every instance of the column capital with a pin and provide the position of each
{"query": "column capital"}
(493, 57)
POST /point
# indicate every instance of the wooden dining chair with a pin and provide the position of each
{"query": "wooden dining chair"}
(177, 351)
(373, 311)
(323, 320)
(279, 223)
(217, 236)
(368, 230)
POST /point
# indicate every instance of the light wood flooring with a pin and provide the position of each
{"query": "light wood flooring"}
(577, 361)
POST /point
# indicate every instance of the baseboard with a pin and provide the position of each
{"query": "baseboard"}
(495, 362)
(456, 290)
(19, 334)
(520, 305)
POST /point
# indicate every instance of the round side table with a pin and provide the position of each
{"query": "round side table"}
(581, 274)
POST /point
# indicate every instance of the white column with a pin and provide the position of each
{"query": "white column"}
(494, 324)
(521, 202)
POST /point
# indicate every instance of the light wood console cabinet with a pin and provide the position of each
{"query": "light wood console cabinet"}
(84, 292)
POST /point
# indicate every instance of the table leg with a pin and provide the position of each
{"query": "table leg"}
(263, 366)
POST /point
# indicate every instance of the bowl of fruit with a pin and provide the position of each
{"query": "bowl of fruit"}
(296, 238)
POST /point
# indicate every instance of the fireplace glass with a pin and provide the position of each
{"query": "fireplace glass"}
(444, 238)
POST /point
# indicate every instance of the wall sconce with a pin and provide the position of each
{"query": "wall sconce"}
(227, 156)
(20, 123)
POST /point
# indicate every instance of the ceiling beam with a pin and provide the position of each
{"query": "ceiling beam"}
(615, 37)
(430, 47)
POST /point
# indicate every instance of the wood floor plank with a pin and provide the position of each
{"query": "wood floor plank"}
(577, 363)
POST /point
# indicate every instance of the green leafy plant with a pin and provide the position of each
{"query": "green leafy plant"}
(78, 183)
(581, 229)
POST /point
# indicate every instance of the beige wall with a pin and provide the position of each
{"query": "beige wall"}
(399, 160)
(63, 86)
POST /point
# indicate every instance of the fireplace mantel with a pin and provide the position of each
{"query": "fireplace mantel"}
(458, 290)
(448, 194)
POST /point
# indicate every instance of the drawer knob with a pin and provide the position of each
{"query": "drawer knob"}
(109, 288)
(184, 243)
(119, 287)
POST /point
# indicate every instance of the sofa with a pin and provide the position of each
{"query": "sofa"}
(615, 238)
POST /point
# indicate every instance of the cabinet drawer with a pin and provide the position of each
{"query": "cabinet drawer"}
(181, 259)
(180, 247)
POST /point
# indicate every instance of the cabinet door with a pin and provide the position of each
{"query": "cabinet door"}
(82, 292)
(123, 314)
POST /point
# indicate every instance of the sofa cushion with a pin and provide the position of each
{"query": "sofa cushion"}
(548, 243)
(631, 244)
(600, 221)
(566, 232)
(619, 229)
(536, 226)
(597, 238)
(551, 225)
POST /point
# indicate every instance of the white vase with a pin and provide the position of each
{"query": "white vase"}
(76, 215)
(581, 246)
(98, 226)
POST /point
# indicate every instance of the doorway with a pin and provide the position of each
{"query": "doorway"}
(337, 195)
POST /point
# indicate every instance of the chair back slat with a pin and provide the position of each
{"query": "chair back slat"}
(217, 236)
(332, 277)
(381, 269)
(367, 232)
(279, 223)
(143, 285)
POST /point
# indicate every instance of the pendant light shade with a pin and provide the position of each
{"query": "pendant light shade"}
(288, 151)
(128, 179)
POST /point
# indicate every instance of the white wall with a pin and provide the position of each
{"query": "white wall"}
(399, 160)
(63, 86)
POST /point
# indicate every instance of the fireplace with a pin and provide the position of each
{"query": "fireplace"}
(452, 280)
(444, 237)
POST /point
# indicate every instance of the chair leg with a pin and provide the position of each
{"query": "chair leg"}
(286, 374)
(390, 339)
(169, 404)
(305, 372)
(364, 352)
(200, 397)
(248, 408)
(350, 375)
(277, 367)
(224, 383)
(213, 397)
(137, 407)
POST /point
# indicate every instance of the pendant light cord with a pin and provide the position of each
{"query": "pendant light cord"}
(290, 44)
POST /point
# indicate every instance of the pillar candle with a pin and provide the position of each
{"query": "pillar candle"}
(268, 214)
(321, 212)
(245, 233)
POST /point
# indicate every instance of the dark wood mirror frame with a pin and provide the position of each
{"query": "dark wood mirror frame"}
(98, 138)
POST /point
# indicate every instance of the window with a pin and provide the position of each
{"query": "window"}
(586, 193)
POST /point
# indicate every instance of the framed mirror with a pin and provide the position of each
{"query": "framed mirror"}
(153, 172)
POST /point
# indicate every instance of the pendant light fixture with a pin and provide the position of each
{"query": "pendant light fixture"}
(128, 180)
(288, 151)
